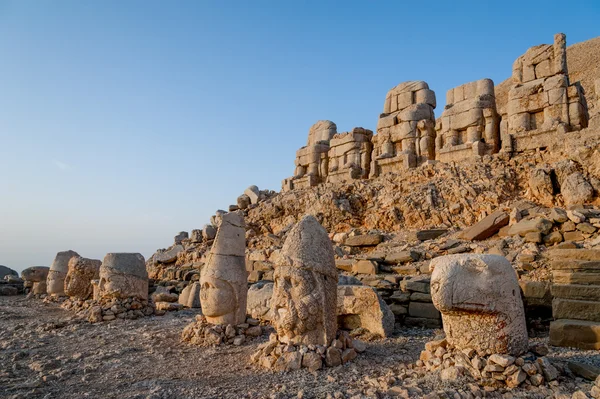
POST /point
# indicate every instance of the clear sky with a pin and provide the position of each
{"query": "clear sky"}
(125, 122)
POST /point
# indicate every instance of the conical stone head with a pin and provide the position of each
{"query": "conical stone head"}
(58, 272)
(305, 288)
(224, 280)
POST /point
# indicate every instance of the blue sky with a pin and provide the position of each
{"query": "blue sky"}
(122, 123)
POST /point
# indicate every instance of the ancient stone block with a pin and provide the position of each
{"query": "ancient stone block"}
(487, 227)
(190, 296)
(575, 333)
(480, 302)
(575, 309)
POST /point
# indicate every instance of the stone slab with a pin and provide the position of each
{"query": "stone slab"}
(575, 334)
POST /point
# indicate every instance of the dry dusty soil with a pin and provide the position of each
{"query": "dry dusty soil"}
(45, 352)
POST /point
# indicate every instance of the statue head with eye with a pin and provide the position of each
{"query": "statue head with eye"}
(303, 305)
(480, 302)
(224, 280)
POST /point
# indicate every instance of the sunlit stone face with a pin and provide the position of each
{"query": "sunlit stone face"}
(217, 297)
(297, 304)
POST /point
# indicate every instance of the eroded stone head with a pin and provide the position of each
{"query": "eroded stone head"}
(480, 302)
(58, 272)
(78, 283)
(305, 288)
(224, 281)
(123, 275)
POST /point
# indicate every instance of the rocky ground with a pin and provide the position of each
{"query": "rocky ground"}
(47, 353)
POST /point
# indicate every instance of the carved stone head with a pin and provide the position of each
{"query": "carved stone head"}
(224, 280)
(305, 288)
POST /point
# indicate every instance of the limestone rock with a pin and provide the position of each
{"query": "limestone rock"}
(525, 226)
(123, 275)
(361, 306)
(169, 255)
(253, 193)
(55, 284)
(305, 288)
(259, 301)
(576, 189)
(78, 283)
(480, 302)
(487, 227)
(364, 240)
(224, 281)
(190, 296)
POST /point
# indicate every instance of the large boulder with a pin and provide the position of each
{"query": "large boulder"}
(359, 306)
(480, 301)
(35, 274)
(55, 284)
(576, 189)
(190, 296)
(259, 301)
(7, 271)
(487, 227)
(169, 255)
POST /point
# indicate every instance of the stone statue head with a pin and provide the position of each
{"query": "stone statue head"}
(78, 283)
(303, 305)
(224, 280)
(480, 301)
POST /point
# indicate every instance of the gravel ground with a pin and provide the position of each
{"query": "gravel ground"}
(46, 353)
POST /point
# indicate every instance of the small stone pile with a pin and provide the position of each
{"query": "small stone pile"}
(203, 333)
(495, 370)
(279, 356)
(107, 309)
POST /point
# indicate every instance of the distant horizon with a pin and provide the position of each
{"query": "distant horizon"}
(126, 123)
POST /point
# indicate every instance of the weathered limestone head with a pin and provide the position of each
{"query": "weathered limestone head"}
(480, 302)
(305, 288)
(36, 276)
(123, 275)
(224, 280)
(321, 132)
(58, 273)
(78, 283)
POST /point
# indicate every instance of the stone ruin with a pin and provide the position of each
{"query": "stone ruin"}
(120, 292)
(312, 160)
(484, 321)
(405, 130)
(350, 155)
(480, 302)
(542, 104)
(303, 305)
(224, 290)
(470, 124)
(55, 285)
